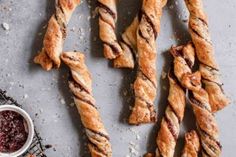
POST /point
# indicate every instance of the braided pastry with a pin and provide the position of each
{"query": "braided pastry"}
(192, 145)
(107, 25)
(198, 28)
(145, 84)
(128, 44)
(54, 38)
(170, 124)
(80, 84)
(206, 123)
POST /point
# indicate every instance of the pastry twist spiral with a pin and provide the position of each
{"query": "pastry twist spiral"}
(170, 124)
(198, 28)
(145, 84)
(107, 28)
(49, 56)
(80, 84)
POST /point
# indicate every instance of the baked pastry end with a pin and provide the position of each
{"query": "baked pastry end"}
(142, 114)
(43, 60)
(217, 98)
(125, 60)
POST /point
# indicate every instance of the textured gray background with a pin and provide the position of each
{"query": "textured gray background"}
(44, 92)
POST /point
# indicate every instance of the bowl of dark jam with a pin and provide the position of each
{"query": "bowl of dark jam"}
(16, 131)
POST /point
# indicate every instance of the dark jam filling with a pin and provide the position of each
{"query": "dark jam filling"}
(13, 131)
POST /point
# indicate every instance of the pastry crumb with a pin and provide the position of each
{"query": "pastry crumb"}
(133, 150)
(137, 136)
(72, 29)
(62, 101)
(130, 108)
(163, 75)
(5, 26)
(72, 104)
(125, 92)
(25, 96)
(164, 87)
(95, 12)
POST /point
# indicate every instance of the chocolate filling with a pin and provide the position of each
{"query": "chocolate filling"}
(196, 102)
(99, 133)
(144, 15)
(171, 127)
(86, 101)
(146, 77)
(203, 21)
(77, 85)
(108, 10)
(113, 47)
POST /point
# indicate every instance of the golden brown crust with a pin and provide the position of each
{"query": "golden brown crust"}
(192, 144)
(80, 84)
(198, 28)
(107, 27)
(55, 35)
(43, 59)
(206, 123)
(145, 84)
(170, 124)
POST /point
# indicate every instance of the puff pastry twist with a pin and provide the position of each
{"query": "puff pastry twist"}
(192, 145)
(49, 56)
(145, 84)
(198, 28)
(107, 24)
(170, 124)
(80, 84)
(129, 45)
(206, 123)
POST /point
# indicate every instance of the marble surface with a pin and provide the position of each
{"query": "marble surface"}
(46, 97)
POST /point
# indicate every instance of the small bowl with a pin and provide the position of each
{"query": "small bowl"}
(30, 126)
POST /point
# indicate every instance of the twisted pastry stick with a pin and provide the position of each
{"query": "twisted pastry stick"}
(192, 145)
(129, 44)
(170, 124)
(206, 123)
(107, 25)
(54, 38)
(145, 84)
(80, 84)
(198, 28)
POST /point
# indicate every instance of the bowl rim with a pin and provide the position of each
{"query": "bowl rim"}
(30, 126)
